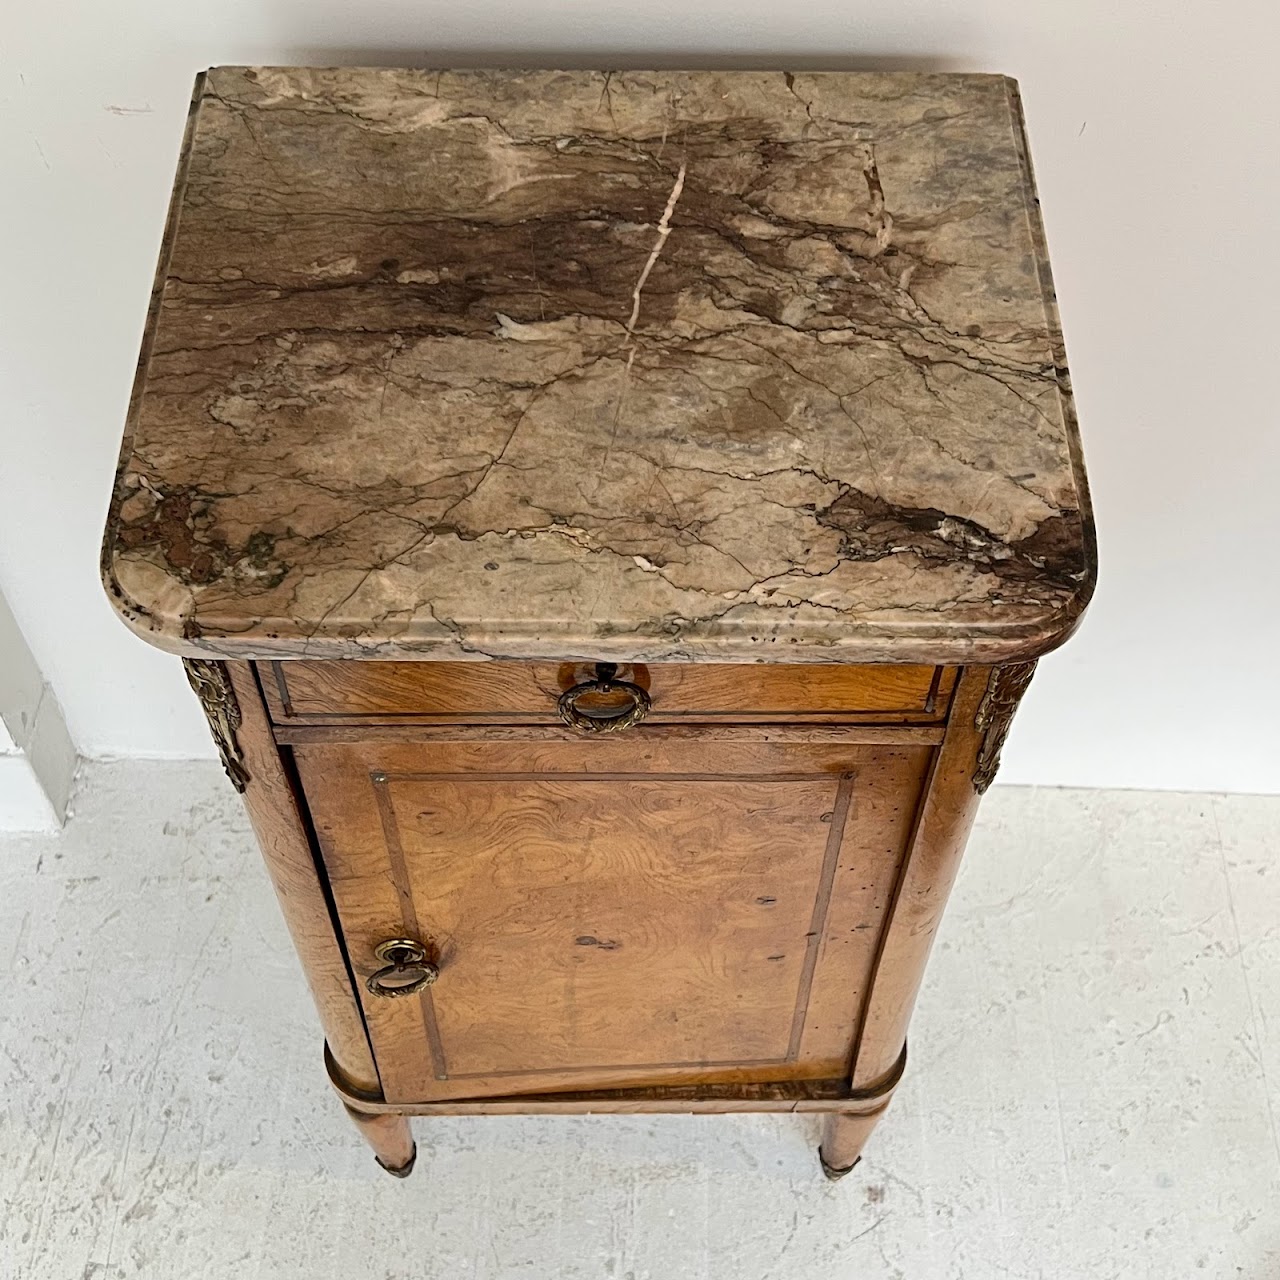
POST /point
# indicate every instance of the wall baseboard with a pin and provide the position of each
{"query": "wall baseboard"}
(24, 804)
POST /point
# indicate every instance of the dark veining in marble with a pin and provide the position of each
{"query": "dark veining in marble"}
(718, 365)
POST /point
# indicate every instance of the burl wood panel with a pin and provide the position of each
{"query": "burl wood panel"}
(614, 913)
(330, 692)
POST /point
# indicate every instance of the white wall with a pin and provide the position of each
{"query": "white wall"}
(1154, 129)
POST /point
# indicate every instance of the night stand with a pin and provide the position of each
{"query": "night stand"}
(609, 520)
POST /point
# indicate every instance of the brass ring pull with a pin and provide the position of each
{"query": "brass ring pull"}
(407, 971)
(605, 704)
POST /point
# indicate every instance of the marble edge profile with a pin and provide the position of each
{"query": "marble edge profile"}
(263, 640)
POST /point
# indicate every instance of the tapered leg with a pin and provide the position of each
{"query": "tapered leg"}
(390, 1137)
(843, 1137)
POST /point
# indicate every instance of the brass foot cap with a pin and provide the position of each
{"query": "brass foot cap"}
(832, 1172)
(405, 1169)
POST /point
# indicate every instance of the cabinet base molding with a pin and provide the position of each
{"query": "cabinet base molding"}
(851, 1114)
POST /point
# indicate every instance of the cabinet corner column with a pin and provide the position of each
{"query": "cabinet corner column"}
(985, 700)
(233, 703)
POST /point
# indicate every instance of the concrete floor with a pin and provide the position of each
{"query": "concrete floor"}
(1092, 1093)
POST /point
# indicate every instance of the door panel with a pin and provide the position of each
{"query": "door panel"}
(609, 913)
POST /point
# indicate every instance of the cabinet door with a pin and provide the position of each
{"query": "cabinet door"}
(613, 913)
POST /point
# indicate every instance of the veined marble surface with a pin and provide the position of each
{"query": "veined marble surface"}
(635, 366)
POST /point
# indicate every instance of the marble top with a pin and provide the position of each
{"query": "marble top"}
(714, 366)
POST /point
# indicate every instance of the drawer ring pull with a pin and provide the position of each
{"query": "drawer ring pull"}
(407, 970)
(575, 706)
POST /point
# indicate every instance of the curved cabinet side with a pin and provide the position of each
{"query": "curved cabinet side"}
(947, 813)
(277, 822)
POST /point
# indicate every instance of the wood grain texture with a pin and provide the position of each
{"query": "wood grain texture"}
(390, 1137)
(279, 826)
(949, 807)
(325, 692)
(651, 902)
(358, 731)
(810, 1097)
(844, 1134)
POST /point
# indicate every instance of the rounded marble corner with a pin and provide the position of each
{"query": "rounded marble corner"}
(150, 622)
(1061, 622)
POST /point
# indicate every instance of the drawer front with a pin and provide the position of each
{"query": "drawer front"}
(527, 692)
(610, 915)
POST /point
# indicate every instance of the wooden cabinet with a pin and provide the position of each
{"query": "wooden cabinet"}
(701, 913)
(609, 520)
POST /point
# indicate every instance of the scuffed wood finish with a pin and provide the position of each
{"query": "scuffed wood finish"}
(327, 692)
(278, 824)
(674, 911)
(844, 1134)
(632, 366)
(851, 735)
(950, 804)
(801, 1097)
(390, 1136)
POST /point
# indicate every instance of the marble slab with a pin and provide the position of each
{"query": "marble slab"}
(720, 366)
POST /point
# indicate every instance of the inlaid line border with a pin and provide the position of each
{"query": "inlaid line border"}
(843, 803)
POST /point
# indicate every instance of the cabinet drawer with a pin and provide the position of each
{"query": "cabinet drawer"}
(527, 692)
